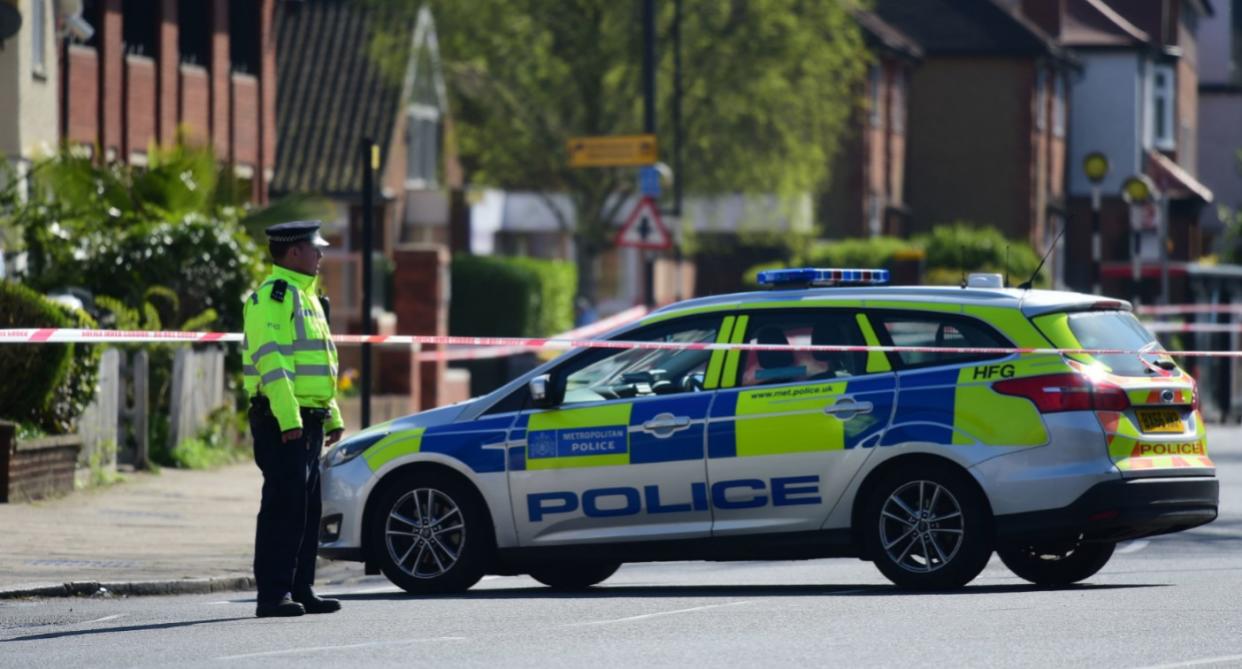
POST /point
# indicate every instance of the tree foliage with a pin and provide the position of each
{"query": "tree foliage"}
(768, 86)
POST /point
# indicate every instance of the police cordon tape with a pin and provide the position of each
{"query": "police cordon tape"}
(1172, 309)
(68, 336)
(586, 331)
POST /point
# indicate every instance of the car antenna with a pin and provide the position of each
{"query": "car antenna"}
(1006, 284)
(1026, 285)
(961, 262)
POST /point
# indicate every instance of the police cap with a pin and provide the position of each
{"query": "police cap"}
(296, 231)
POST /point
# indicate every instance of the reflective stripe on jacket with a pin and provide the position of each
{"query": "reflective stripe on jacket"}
(287, 354)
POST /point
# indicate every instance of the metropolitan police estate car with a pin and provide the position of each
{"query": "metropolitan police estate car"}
(921, 462)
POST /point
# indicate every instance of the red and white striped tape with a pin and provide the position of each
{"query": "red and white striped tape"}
(585, 332)
(58, 336)
(1174, 309)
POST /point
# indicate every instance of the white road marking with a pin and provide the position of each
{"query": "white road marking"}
(104, 619)
(1198, 663)
(655, 615)
(352, 646)
(1134, 546)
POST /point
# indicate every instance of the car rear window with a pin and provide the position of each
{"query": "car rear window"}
(1115, 329)
(938, 331)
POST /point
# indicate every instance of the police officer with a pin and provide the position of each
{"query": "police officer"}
(290, 370)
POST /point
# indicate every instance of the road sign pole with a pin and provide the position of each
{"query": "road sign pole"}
(649, 126)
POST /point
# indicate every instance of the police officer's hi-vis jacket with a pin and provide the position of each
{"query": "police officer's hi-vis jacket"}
(288, 355)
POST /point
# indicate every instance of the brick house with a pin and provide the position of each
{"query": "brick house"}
(153, 67)
(1137, 101)
(867, 194)
(987, 126)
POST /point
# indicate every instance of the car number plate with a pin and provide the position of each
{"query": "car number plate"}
(1160, 420)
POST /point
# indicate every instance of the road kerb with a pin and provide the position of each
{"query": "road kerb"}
(186, 586)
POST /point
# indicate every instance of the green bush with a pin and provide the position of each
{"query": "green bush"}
(70, 398)
(218, 443)
(31, 372)
(511, 297)
(962, 247)
(873, 252)
(948, 251)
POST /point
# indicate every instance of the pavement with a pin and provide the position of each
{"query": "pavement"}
(175, 532)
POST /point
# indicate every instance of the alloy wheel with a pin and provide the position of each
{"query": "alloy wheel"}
(921, 526)
(425, 532)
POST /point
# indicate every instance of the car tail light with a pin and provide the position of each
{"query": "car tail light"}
(1066, 392)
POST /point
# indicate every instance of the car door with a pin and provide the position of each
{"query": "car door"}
(622, 457)
(789, 429)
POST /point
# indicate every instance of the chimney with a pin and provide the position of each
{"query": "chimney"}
(1046, 14)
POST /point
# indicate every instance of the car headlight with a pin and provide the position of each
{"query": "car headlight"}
(353, 447)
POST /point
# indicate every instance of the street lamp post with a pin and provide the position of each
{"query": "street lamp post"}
(1095, 165)
(1138, 191)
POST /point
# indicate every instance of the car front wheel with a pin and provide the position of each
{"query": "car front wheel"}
(430, 535)
(928, 528)
(1056, 565)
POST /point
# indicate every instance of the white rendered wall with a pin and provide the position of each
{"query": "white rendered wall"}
(1106, 114)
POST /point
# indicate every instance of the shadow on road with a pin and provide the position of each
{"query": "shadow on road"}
(730, 591)
(126, 628)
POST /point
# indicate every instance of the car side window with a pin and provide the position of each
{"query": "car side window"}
(801, 328)
(938, 331)
(605, 374)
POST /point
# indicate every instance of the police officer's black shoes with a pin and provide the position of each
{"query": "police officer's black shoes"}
(315, 604)
(284, 608)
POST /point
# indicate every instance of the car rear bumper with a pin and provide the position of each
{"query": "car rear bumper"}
(1119, 510)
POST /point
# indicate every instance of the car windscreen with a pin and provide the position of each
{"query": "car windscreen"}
(1115, 330)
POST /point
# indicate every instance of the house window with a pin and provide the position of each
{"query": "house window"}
(873, 86)
(1058, 107)
(1041, 99)
(1162, 96)
(244, 36)
(897, 103)
(194, 21)
(38, 26)
(139, 27)
(422, 146)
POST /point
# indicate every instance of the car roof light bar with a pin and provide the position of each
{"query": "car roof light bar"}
(804, 277)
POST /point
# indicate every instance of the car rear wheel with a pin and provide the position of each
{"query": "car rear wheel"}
(1056, 565)
(574, 575)
(430, 534)
(928, 528)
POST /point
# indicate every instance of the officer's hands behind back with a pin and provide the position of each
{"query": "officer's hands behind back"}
(290, 435)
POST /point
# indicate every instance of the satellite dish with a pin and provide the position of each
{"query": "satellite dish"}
(10, 19)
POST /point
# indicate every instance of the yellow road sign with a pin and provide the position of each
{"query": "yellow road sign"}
(612, 151)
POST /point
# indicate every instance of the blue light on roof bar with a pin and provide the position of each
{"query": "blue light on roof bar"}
(817, 276)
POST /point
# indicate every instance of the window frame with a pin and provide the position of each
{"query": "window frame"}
(875, 82)
(561, 370)
(849, 312)
(1060, 105)
(1164, 98)
(877, 319)
(38, 41)
(1041, 98)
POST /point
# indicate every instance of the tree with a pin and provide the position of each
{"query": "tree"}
(768, 87)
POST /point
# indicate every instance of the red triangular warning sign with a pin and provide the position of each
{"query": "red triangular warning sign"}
(644, 229)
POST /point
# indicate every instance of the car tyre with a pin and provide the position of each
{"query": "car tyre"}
(430, 534)
(1056, 566)
(574, 575)
(927, 528)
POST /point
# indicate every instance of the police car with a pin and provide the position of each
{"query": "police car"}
(923, 462)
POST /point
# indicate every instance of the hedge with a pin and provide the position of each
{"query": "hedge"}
(947, 251)
(32, 372)
(511, 297)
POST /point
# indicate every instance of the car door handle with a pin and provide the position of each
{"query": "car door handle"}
(846, 407)
(666, 424)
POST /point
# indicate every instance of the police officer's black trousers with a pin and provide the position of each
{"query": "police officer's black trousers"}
(286, 539)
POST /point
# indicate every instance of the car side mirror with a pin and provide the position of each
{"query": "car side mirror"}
(545, 391)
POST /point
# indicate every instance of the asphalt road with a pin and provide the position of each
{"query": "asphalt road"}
(1168, 601)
